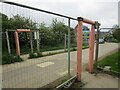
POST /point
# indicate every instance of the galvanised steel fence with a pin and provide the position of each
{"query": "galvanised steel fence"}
(44, 51)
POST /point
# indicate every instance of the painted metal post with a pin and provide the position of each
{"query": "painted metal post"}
(31, 39)
(17, 43)
(38, 44)
(79, 49)
(68, 47)
(8, 43)
(65, 42)
(97, 49)
(91, 50)
(97, 45)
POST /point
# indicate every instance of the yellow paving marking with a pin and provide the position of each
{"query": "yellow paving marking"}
(45, 64)
(63, 73)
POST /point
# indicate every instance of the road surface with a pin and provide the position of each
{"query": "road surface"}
(34, 73)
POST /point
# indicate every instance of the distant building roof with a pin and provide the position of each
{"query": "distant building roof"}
(84, 29)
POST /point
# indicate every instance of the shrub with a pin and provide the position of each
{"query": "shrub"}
(116, 34)
(39, 54)
(32, 55)
(73, 49)
(35, 55)
(10, 59)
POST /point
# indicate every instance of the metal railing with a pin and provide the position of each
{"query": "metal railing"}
(32, 47)
(15, 7)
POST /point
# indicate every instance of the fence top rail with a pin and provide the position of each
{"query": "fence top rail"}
(23, 30)
(13, 30)
(86, 20)
(33, 8)
(29, 30)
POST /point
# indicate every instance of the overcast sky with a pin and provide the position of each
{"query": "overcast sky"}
(104, 11)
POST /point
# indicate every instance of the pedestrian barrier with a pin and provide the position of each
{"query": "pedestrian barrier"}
(33, 36)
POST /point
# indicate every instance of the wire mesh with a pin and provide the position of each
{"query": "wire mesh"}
(43, 50)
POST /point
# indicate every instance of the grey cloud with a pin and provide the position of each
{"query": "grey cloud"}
(105, 12)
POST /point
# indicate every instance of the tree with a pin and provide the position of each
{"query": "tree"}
(4, 25)
(50, 36)
(43, 28)
(16, 22)
(107, 36)
(116, 34)
(113, 28)
(5, 22)
(58, 27)
(19, 22)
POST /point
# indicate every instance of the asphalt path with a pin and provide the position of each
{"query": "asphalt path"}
(34, 73)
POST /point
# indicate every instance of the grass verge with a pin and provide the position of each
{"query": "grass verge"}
(37, 55)
(112, 61)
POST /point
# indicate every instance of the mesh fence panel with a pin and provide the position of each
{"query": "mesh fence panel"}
(43, 49)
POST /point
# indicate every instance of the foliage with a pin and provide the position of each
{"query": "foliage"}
(10, 59)
(18, 22)
(114, 28)
(47, 39)
(113, 34)
(112, 61)
(43, 28)
(51, 48)
(39, 54)
(107, 36)
(73, 49)
(32, 55)
(116, 34)
(35, 55)
(58, 27)
(5, 22)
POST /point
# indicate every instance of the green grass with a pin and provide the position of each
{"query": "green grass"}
(26, 50)
(85, 37)
(37, 55)
(51, 48)
(112, 61)
(6, 59)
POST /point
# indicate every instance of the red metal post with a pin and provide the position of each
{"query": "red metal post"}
(17, 43)
(23, 30)
(91, 51)
(88, 21)
(79, 50)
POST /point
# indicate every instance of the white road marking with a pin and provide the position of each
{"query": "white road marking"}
(45, 64)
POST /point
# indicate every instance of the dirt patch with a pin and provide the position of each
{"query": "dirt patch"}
(55, 83)
(77, 84)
